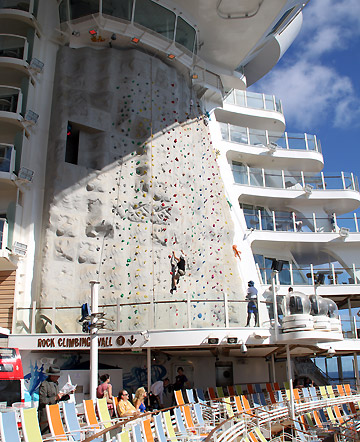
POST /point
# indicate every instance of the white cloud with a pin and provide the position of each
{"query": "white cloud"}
(314, 92)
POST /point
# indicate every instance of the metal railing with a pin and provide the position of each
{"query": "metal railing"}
(309, 274)
(13, 46)
(280, 221)
(272, 140)
(10, 99)
(146, 315)
(254, 100)
(280, 179)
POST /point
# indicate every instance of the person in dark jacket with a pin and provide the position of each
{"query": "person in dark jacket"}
(49, 395)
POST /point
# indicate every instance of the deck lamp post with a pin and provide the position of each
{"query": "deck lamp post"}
(94, 343)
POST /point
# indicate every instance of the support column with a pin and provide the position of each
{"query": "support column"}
(94, 344)
(290, 380)
(148, 366)
(356, 370)
(276, 320)
(273, 368)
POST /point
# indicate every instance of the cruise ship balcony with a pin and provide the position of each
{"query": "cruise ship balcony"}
(332, 192)
(260, 111)
(14, 53)
(20, 11)
(7, 164)
(6, 264)
(263, 148)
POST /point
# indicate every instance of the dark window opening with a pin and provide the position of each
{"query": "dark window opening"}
(72, 144)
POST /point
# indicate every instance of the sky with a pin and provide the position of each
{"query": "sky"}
(318, 81)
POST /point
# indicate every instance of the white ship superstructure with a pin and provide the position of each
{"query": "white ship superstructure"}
(127, 134)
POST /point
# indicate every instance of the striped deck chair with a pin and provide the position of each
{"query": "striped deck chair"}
(250, 388)
(258, 388)
(124, 436)
(286, 385)
(238, 390)
(300, 431)
(200, 394)
(331, 415)
(276, 386)
(179, 421)
(103, 413)
(231, 390)
(8, 427)
(313, 393)
(340, 418)
(200, 419)
(90, 415)
(220, 392)
(211, 393)
(169, 428)
(30, 425)
(115, 405)
(259, 434)
(272, 397)
(238, 405)
(136, 433)
(179, 397)
(246, 405)
(72, 422)
(345, 390)
(269, 387)
(160, 433)
(309, 420)
(55, 423)
(323, 391)
(147, 431)
(306, 394)
(228, 407)
(190, 395)
(189, 422)
(330, 391)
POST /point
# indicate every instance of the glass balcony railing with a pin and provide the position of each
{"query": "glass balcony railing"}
(330, 274)
(159, 19)
(13, 46)
(254, 100)
(279, 221)
(265, 138)
(7, 158)
(10, 99)
(280, 179)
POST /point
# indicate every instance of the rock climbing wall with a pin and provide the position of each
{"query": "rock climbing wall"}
(145, 183)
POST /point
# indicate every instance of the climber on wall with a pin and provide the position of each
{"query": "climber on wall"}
(177, 269)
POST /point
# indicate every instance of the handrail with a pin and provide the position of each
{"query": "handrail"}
(263, 138)
(253, 100)
(282, 179)
(262, 219)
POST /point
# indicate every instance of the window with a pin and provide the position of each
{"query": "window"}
(80, 8)
(155, 17)
(121, 9)
(185, 34)
(72, 143)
